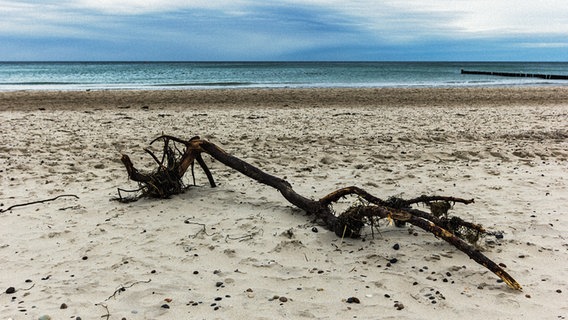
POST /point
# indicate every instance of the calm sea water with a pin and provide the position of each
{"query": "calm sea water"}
(199, 75)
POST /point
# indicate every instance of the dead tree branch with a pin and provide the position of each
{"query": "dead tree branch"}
(350, 223)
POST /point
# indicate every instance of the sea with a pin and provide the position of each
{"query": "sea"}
(234, 75)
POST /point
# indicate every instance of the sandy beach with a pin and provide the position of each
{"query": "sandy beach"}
(240, 251)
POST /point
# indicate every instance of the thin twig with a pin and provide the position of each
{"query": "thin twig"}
(27, 289)
(123, 288)
(38, 201)
(245, 237)
(107, 315)
(204, 230)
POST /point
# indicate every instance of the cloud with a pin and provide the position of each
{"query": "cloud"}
(235, 29)
(544, 44)
(135, 7)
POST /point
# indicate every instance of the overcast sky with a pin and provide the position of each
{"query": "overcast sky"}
(213, 30)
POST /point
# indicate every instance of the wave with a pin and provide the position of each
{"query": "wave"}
(39, 83)
(205, 84)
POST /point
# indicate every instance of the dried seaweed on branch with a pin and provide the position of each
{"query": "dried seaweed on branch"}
(163, 182)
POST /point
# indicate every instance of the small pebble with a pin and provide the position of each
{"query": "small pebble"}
(353, 300)
(558, 291)
(396, 246)
(165, 306)
(283, 299)
(195, 272)
(393, 260)
(315, 230)
(44, 317)
(218, 299)
(63, 306)
(218, 284)
(10, 290)
(399, 306)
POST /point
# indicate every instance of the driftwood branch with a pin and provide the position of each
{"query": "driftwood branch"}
(350, 223)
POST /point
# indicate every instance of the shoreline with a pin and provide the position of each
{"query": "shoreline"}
(282, 98)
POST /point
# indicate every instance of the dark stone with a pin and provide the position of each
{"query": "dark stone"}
(353, 300)
(10, 290)
(396, 246)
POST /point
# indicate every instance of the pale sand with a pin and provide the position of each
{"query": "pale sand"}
(507, 148)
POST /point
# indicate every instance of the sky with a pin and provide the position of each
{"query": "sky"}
(284, 30)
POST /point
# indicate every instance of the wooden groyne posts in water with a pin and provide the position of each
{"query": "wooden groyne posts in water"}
(518, 75)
